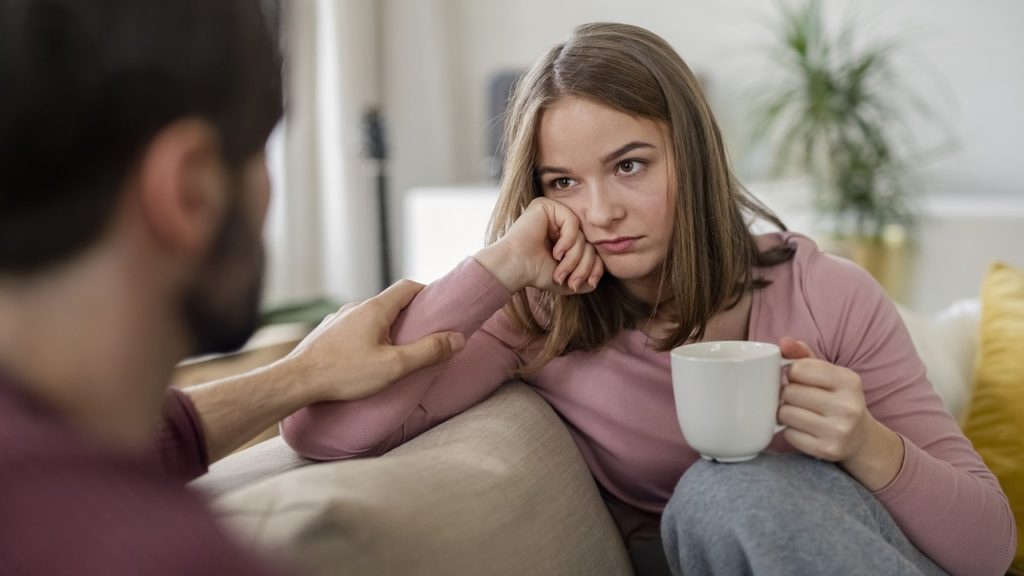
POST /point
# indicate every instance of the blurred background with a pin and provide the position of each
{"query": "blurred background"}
(384, 166)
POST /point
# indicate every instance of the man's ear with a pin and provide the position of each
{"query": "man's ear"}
(182, 186)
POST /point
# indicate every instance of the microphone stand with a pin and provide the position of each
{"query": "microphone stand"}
(376, 150)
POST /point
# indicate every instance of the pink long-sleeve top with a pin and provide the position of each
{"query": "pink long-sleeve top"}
(618, 404)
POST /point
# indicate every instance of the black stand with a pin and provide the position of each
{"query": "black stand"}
(376, 150)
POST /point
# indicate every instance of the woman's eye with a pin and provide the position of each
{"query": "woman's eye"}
(629, 166)
(561, 183)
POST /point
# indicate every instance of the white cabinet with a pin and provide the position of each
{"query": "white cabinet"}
(443, 225)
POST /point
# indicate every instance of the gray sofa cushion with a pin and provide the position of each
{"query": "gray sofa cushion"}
(264, 460)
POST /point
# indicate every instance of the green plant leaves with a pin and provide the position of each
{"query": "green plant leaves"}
(833, 114)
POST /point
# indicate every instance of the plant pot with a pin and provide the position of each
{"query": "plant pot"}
(887, 258)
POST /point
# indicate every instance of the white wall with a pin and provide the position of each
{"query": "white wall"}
(419, 100)
(322, 227)
(965, 58)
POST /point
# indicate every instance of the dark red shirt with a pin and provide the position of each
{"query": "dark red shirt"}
(69, 506)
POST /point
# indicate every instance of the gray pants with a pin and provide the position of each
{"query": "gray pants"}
(785, 515)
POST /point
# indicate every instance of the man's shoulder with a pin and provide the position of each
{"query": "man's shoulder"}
(29, 432)
(69, 508)
(82, 516)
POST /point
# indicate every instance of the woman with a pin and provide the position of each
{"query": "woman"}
(621, 233)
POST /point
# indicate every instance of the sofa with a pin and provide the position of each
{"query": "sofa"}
(498, 490)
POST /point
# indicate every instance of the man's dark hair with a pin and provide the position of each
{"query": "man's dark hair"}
(86, 84)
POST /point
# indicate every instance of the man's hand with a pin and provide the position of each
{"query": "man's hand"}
(350, 356)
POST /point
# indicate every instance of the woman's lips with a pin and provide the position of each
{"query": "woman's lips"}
(617, 245)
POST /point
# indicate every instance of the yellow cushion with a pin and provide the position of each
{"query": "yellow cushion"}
(995, 418)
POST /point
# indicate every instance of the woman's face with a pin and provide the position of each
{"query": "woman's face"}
(615, 172)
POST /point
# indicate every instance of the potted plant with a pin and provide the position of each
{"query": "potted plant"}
(832, 112)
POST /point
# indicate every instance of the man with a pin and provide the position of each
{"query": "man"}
(132, 194)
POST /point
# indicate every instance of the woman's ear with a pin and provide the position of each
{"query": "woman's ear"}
(183, 186)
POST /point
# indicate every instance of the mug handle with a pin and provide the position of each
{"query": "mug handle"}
(783, 365)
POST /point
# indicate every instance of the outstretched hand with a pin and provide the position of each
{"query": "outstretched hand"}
(350, 355)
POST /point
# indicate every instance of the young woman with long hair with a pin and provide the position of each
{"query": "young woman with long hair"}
(620, 233)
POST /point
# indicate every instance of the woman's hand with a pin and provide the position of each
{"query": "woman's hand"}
(545, 249)
(827, 417)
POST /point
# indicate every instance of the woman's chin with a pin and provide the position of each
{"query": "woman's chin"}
(626, 273)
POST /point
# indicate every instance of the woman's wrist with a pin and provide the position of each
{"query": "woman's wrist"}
(879, 460)
(501, 260)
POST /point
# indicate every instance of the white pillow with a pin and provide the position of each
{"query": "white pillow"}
(946, 341)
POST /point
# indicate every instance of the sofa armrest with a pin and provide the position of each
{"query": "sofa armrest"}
(498, 490)
(264, 460)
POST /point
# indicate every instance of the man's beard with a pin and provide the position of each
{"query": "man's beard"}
(222, 308)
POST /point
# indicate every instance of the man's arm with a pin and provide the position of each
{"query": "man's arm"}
(347, 357)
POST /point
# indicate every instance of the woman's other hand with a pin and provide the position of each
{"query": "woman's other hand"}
(827, 417)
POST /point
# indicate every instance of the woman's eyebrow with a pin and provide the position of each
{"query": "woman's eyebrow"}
(551, 170)
(625, 149)
(542, 170)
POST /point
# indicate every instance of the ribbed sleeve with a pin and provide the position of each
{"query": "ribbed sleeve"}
(462, 301)
(945, 499)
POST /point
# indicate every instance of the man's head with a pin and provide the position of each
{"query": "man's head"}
(99, 98)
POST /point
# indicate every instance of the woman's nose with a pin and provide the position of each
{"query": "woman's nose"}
(603, 208)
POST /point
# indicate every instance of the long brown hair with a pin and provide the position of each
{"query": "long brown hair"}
(710, 263)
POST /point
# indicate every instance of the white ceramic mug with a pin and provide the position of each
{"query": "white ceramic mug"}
(727, 397)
